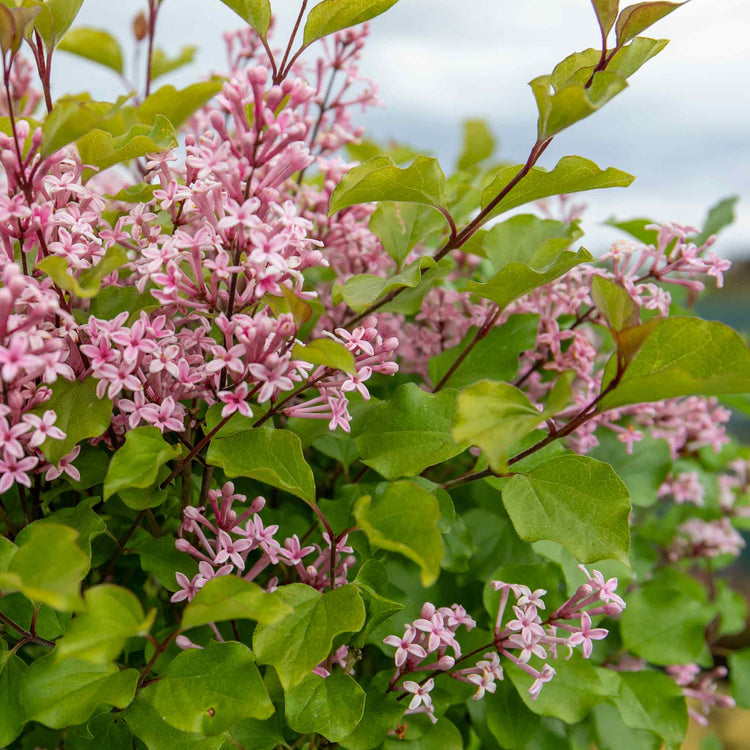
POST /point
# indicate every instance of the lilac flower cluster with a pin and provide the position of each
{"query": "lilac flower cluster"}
(425, 642)
(700, 688)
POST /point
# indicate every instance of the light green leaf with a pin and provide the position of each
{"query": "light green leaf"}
(637, 18)
(94, 44)
(401, 226)
(136, 464)
(73, 117)
(572, 174)
(101, 149)
(300, 641)
(325, 352)
(97, 635)
(80, 414)
(409, 433)
(510, 722)
(719, 217)
(48, 567)
(682, 356)
(479, 144)
(161, 63)
(404, 519)
(88, 283)
(331, 706)
(55, 19)
(382, 712)
(379, 179)
(361, 291)
(443, 735)
(653, 701)
(255, 12)
(145, 722)
(666, 618)
(372, 580)
(573, 500)
(606, 13)
(60, 694)
(732, 608)
(529, 240)
(207, 691)
(232, 598)
(517, 279)
(12, 670)
(268, 455)
(177, 105)
(562, 106)
(493, 416)
(331, 16)
(495, 357)
(739, 676)
(575, 690)
(614, 303)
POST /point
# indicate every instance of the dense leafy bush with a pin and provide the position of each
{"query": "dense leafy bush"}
(301, 446)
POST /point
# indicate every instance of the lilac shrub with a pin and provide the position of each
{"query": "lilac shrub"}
(304, 444)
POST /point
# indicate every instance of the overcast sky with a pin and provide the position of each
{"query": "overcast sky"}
(681, 127)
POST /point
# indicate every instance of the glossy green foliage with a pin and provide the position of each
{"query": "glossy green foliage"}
(270, 456)
(401, 226)
(327, 353)
(257, 13)
(409, 433)
(637, 18)
(404, 519)
(301, 640)
(573, 500)
(330, 16)
(94, 44)
(89, 282)
(161, 63)
(80, 414)
(572, 174)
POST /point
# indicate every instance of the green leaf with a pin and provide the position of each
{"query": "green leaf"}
(253, 734)
(89, 282)
(145, 722)
(372, 580)
(161, 63)
(207, 691)
(606, 13)
(529, 240)
(442, 735)
(511, 723)
(401, 226)
(572, 174)
(255, 12)
(232, 598)
(268, 455)
(637, 18)
(136, 464)
(7, 29)
(635, 228)
(12, 670)
(106, 731)
(739, 676)
(682, 356)
(55, 19)
(575, 690)
(71, 118)
(331, 16)
(379, 179)
(381, 714)
(94, 44)
(59, 694)
(177, 105)
(361, 291)
(719, 217)
(331, 706)
(653, 701)
(643, 471)
(614, 303)
(560, 106)
(517, 279)
(409, 433)
(113, 614)
(493, 416)
(479, 144)
(80, 413)
(325, 352)
(300, 641)
(101, 149)
(732, 608)
(573, 500)
(47, 567)
(666, 619)
(495, 357)
(404, 519)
